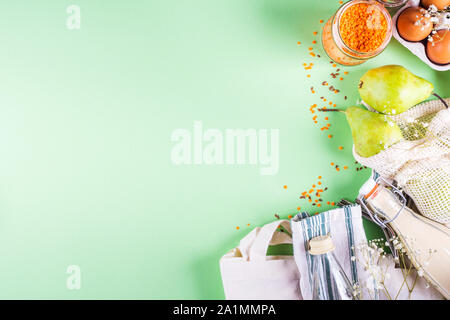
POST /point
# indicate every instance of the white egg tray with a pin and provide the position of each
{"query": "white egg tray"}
(415, 47)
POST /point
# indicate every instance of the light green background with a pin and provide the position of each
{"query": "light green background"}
(85, 124)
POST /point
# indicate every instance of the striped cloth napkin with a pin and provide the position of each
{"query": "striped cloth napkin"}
(345, 227)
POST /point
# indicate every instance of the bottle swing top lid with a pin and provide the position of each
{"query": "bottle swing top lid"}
(321, 245)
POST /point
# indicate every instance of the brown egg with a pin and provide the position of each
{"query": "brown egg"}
(438, 50)
(440, 4)
(412, 25)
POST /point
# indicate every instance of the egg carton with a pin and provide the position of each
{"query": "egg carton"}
(418, 48)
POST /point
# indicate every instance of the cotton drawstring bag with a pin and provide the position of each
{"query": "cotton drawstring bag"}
(345, 227)
(420, 163)
(248, 273)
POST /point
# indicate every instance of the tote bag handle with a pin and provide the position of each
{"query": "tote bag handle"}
(254, 246)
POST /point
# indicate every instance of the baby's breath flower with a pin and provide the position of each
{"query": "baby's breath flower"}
(420, 272)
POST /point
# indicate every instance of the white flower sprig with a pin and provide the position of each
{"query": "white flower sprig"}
(376, 261)
(440, 19)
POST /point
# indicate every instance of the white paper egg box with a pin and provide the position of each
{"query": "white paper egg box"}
(415, 47)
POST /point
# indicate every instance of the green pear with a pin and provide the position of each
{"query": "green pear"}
(371, 132)
(393, 89)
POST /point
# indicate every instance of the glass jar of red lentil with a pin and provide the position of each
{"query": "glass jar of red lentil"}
(360, 30)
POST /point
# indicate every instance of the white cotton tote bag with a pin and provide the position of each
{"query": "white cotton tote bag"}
(248, 274)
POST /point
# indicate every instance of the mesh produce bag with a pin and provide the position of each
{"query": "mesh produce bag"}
(420, 163)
